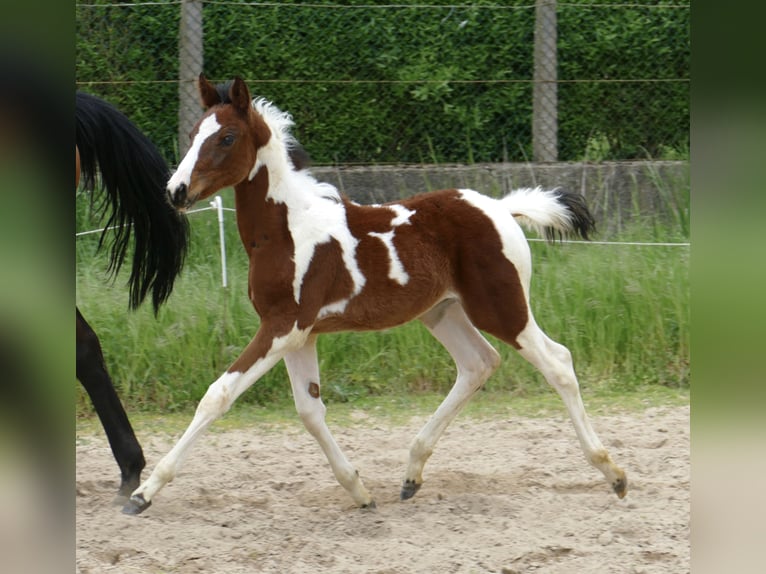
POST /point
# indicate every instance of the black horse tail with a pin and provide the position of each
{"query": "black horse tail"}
(133, 174)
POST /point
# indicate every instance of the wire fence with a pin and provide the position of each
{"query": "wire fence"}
(371, 83)
(216, 205)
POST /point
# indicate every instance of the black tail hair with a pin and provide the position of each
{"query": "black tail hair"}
(582, 220)
(133, 175)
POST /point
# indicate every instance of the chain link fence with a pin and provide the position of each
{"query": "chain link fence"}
(371, 83)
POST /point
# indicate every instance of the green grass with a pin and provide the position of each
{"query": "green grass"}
(623, 311)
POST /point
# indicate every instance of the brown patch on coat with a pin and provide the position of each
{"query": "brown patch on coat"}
(327, 281)
(448, 246)
(486, 282)
(314, 390)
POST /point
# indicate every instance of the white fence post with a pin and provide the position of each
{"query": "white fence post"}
(217, 204)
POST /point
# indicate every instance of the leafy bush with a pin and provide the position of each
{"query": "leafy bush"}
(425, 83)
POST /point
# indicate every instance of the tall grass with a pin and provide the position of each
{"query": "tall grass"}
(622, 310)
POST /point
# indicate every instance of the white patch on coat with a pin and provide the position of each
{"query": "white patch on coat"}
(315, 216)
(396, 271)
(515, 246)
(315, 212)
(335, 308)
(402, 215)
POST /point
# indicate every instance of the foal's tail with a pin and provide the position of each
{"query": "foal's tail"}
(133, 176)
(553, 214)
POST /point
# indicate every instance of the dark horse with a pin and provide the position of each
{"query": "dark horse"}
(134, 204)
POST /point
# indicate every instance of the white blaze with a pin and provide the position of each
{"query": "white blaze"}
(207, 128)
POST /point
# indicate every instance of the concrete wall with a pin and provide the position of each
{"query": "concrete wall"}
(615, 191)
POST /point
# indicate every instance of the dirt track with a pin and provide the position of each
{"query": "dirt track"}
(501, 495)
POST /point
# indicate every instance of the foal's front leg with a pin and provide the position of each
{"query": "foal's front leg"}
(261, 354)
(303, 369)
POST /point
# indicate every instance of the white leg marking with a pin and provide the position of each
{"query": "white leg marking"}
(303, 369)
(217, 400)
(475, 359)
(554, 361)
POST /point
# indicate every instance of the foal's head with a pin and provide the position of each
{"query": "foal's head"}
(224, 144)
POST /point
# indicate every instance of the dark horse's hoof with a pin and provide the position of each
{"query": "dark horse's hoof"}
(136, 504)
(126, 487)
(409, 488)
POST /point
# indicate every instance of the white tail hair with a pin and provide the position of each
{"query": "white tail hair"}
(550, 213)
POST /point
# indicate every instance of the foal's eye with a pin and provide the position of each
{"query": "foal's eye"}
(227, 140)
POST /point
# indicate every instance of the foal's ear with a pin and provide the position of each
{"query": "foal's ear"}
(207, 92)
(239, 95)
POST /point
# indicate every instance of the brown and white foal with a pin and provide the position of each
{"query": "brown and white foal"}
(454, 259)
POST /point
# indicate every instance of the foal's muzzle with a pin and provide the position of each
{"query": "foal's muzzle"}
(179, 196)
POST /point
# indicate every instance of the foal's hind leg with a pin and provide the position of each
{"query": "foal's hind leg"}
(554, 361)
(475, 359)
(303, 369)
(92, 373)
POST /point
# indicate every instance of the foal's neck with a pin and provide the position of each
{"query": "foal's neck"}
(263, 203)
(261, 222)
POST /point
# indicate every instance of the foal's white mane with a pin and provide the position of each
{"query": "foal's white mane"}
(279, 122)
(282, 140)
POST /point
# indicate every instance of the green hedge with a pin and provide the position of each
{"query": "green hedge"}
(354, 76)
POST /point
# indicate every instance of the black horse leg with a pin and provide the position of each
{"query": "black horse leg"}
(92, 373)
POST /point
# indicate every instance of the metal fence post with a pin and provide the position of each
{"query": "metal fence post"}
(545, 95)
(190, 58)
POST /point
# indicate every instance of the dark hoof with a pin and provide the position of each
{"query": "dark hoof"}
(620, 487)
(136, 505)
(369, 506)
(409, 488)
(128, 486)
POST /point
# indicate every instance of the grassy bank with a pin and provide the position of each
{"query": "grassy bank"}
(623, 310)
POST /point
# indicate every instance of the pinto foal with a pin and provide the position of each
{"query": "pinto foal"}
(454, 259)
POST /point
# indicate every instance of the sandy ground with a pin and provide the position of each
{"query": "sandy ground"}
(500, 495)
